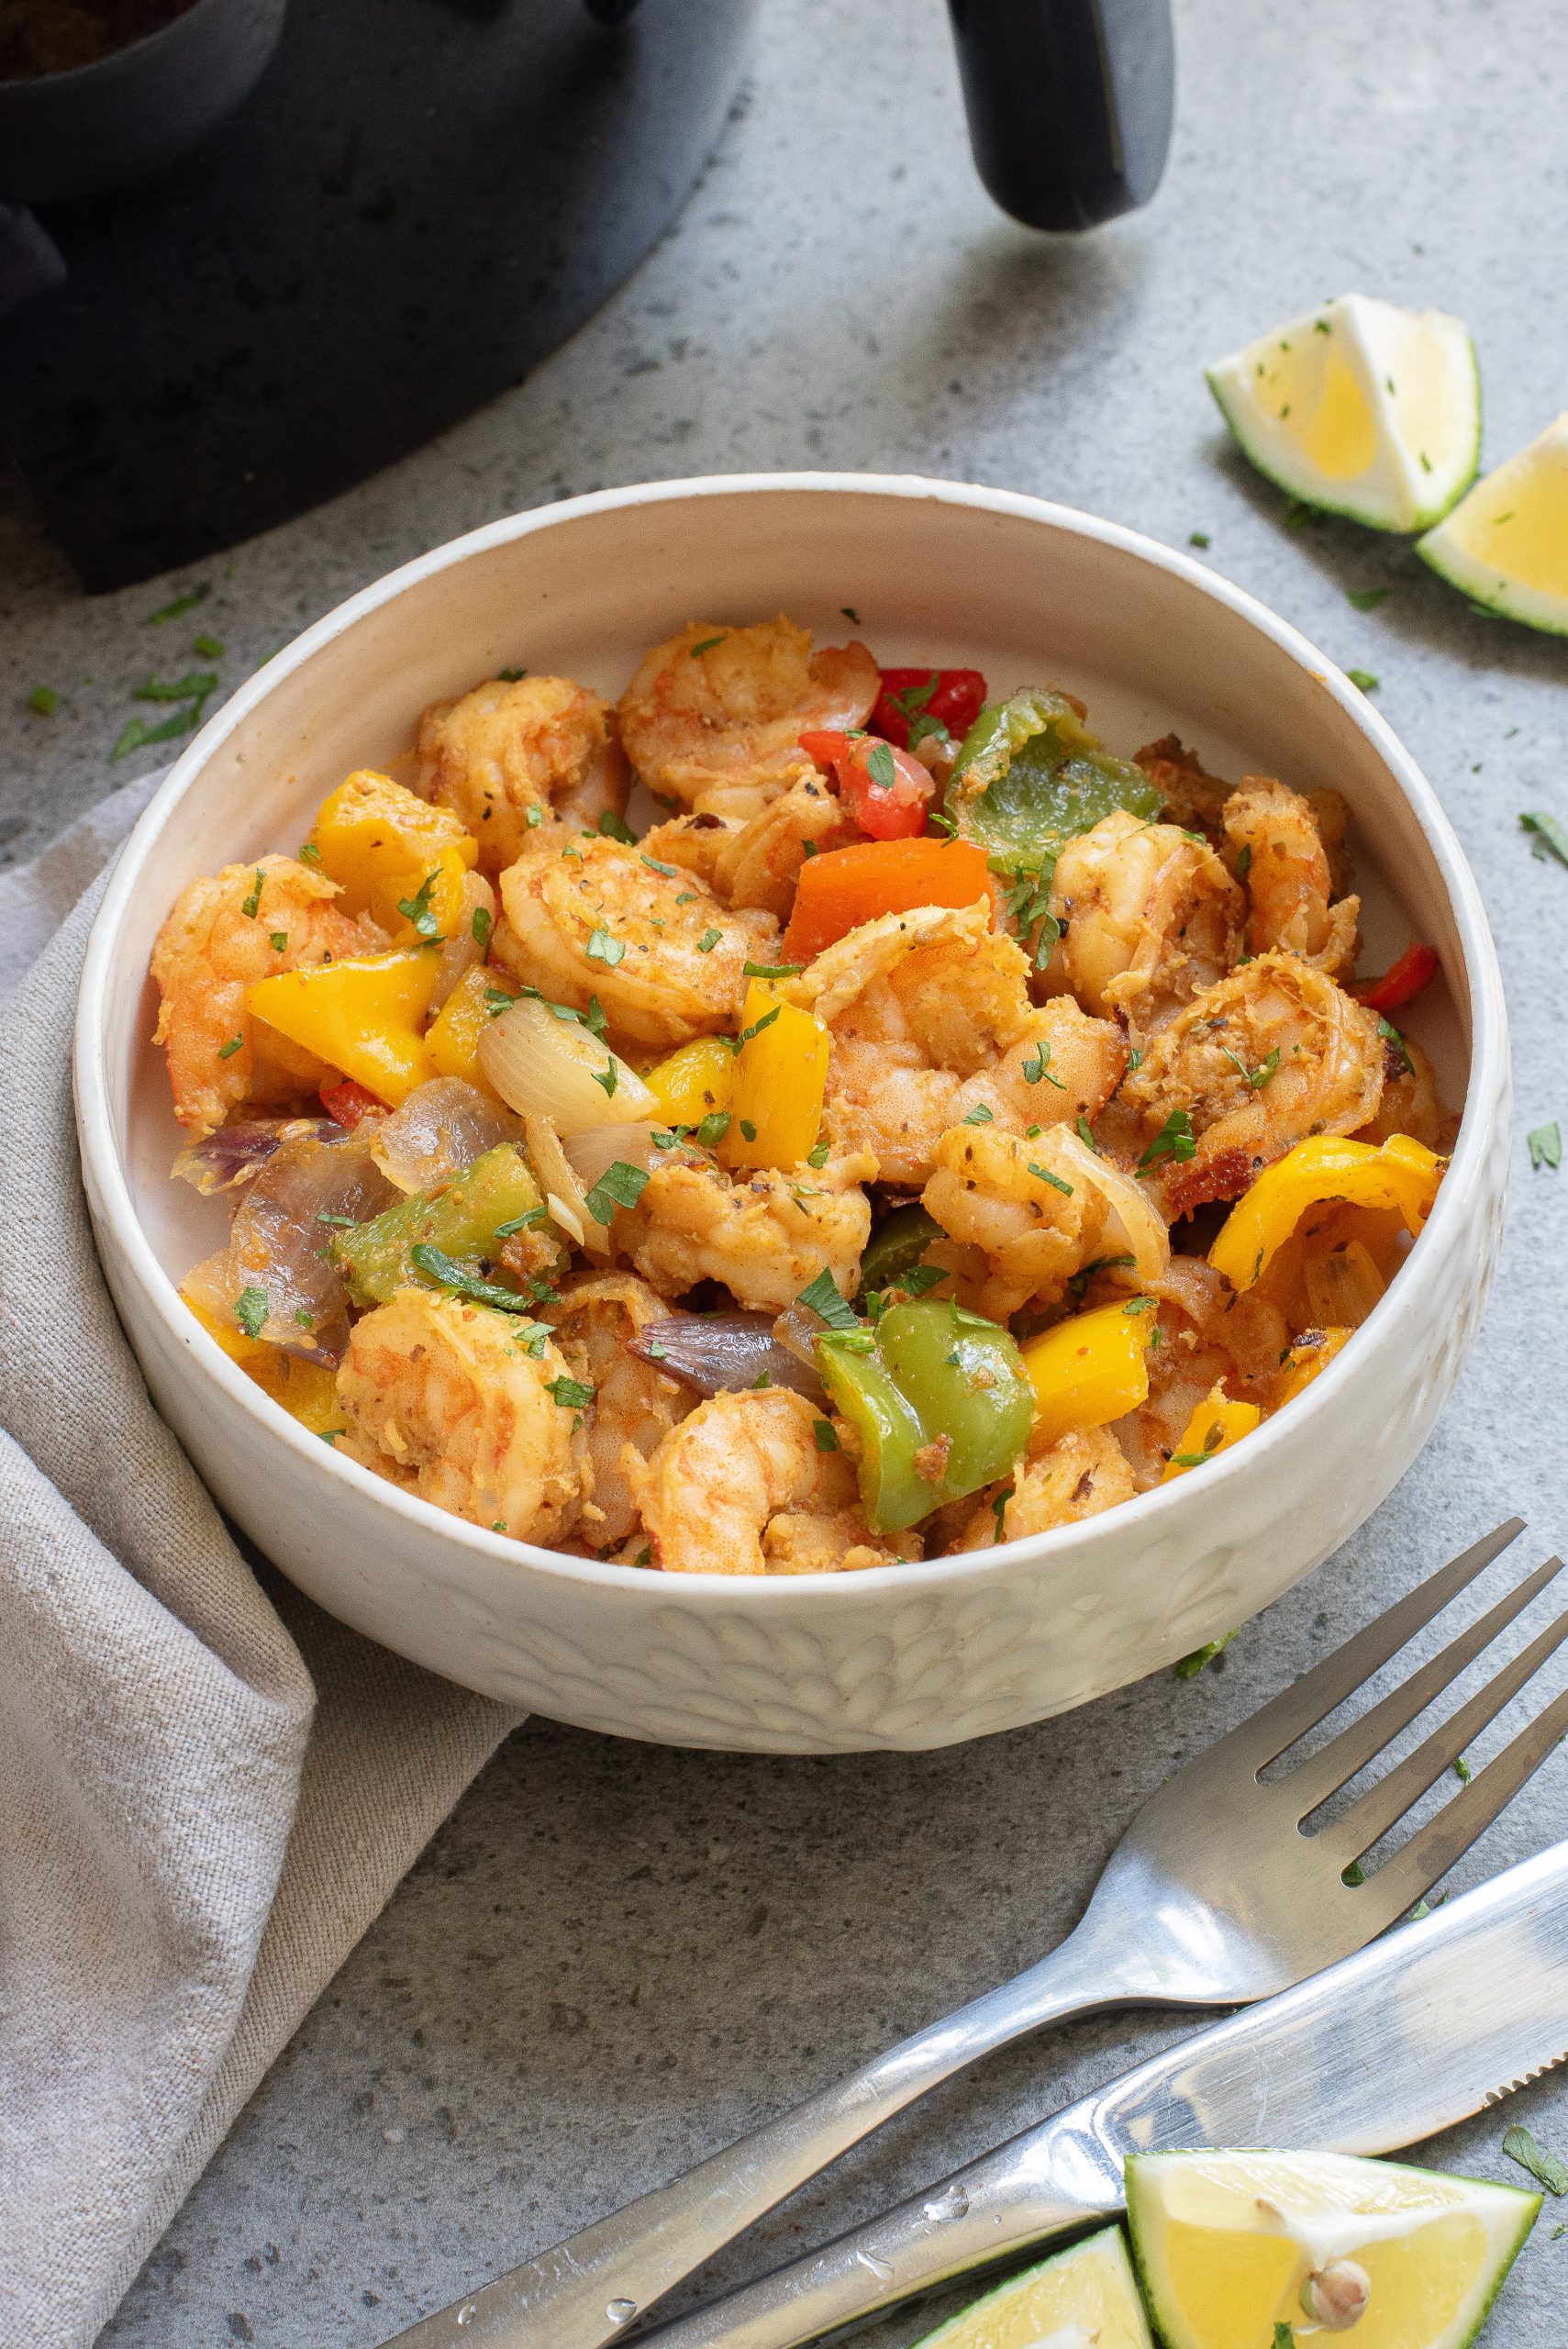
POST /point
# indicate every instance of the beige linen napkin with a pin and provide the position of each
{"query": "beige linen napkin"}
(207, 1787)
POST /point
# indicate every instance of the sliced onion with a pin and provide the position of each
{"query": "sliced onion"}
(550, 1067)
(462, 950)
(1133, 1218)
(278, 1240)
(563, 1193)
(797, 1330)
(723, 1354)
(234, 1153)
(590, 1155)
(441, 1128)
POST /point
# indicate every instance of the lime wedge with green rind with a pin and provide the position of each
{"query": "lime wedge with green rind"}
(1506, 544)
(1083, 2296)
(1362, 408)
(1232, 2247)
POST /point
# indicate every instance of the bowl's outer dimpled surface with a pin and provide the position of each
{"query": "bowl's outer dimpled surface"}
(907, 1656)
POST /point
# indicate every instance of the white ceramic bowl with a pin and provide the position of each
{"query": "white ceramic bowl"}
(915, 1655)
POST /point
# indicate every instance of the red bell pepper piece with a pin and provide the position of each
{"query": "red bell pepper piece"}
(885, 790)
(1401, 982)
(949, 698)
(346, 1103)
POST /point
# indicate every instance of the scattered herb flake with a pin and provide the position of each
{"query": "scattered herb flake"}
(1390, 1035)
(1086, 1136)
(185, 603)
(620, 1185)
(1037, 1064)
(309, 853)
(252, 905)
(1366, 599)
(44, 700)
(825, 1299)
(671, 872)
(444, 1271)
(880, 766)
(1546, 1146)
(227, 1051)
(1544, 2168)
(195, 685)
(510, 676)
(483, 924)
(819, 1157)
(420, 911)
(1174, 1141)
(1352, 1875)
(250, 1310)
(756, 1028)
(1551, 836)
(706, 645)
(826, 1439)
(277, 939)
(603, 948)
(1243, 860)
(770, 970)
(570, 1393)
(712, 1128)
(850, 613)
(138, 734)
(980, 1115)
(1200, 1658)
(1463, 1771)
(1363, 680)
(999, 1509)
(1199, 539)
(1044, 1174)
(709, 940)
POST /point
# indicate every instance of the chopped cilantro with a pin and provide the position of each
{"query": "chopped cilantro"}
(484, 922)
(1463, 1771)
(999, 1509)
(980, 1115)
(1551, 837)
(1546, 1146)
(1354, 1875)
(1044, 1174)
(826, 1439)
(250, 1310)
(825, 1299)
(1174, 1139)
(1081, 1279)
(1544, 2168)
(1390, 1035)
(706, 645)
(510, 676)
(1199, 539)
(1363, 680)
(523, 1222)
(1256, 1077)
(532, 815)
(748, 1130)
(227, 1051)
(343, 1222)
(309, 853)
(712, 1128)
(252, 905)
(185, 603)
(1037, 1064)
(756, 1028)
(1200, 1658)
(880, 766)
(770, 970)
(1086, 1135)
(850, 613)
(919, 1278)
(444, 1271)
(1284, 2336)
(277, 939)
(138, 734)
(195, 685)
(571, 1394)
(603, 948)
(709, 940)
(671, 872)
(1243, 860)
(44, 700)
(616, 827)
(819, 1157)
(420, 911)
(1367, 600)
(304, 1317)
(620, 1185)
(210, 647)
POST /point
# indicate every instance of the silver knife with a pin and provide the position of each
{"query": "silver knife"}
(1432, 2023)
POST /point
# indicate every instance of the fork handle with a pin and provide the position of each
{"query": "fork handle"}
(583, 2292)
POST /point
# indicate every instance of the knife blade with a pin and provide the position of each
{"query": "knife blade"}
(1438, 2019)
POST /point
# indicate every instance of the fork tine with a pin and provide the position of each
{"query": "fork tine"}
(1265, 1735)
(1315, 1779)
(1377, 1811)
(1431, 1853)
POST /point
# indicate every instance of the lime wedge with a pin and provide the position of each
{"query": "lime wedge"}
(1362, 408)
(1506, 545)
(1081, 2297)
(1233, 2247)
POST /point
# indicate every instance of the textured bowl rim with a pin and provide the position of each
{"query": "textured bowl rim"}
(1488, 1051)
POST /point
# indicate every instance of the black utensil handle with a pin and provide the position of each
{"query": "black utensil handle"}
(1069, 103)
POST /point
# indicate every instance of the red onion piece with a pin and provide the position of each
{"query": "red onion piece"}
(235, 1153)
(723, 1354)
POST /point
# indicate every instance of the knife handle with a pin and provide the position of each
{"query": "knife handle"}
(1053, 2178)
(584, 2292)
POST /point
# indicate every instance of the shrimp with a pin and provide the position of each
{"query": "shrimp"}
(756, 862)
(1150, 918)
(713, 716)
(740, 1487)
(1081, 1475)
(514, 752)
(634, 1406)
(222, 935)
(766, 1235)
(663, 956)
(1193, 797)
(930, 1018)
(1208, 1337)
(444, 1398)
(1274, 837)
(1024, 1204)
(1273, 1053)
(1411, 1103)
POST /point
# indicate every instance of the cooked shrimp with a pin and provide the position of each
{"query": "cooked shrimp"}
(740, 1487)
(218, 939)
(1024, 1204)
(663, 956)
(1081, 1475)
(766, 1235)
(756, 862)
(930, 1018)
(1273, 1053)
(1272, 836)
(713, 718)
(1208, 1337)
(634, 1405)
(1411, 1103)
(444, 1398)
(514, 752)
(1149, 917)
(1193, 797)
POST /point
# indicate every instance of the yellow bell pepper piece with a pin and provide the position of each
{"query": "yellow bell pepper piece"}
(1214, 1426)
(452, 1041)
(382, 843)
(1091, 1369)
(1398, 1172)
(781, 1075)
(693, 1081)
(365, 1016)
(1311, 1353)
(308, 1390)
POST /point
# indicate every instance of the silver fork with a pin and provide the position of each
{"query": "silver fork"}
(1213, 1896)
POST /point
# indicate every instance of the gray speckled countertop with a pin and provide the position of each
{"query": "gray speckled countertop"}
(615, 1957)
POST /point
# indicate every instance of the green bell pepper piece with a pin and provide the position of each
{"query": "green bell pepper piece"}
(897, 1246)
(1030, 776)
(463, 1220)
(941, 1403)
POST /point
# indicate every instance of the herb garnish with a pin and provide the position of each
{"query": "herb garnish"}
(608, 1076)
(185, 603)
(980, 1115)
(706, 645)
(709, 940)
(227, 1051)
(770, 970)
(1256, 1077)
(1243, 860)
(1037, 1064)
(419, 911)
(1544, 2168)
(620, 1185)
(252, 905)
(1086, 1136)
(616, 827)
(570, 1393)
(671, 872)
(712, 1128)
(1546, 1146)
(819, 1157)
(603, 948)
(1174, 1139)
(510, 676)
(1201, 1658)
(484, 922)
(756, 1029)
(1551, 839)
(211, 648)
(250, 1310)
(1363, 680)
(1390, 1035)
(826, 1439)
(1044, 1174)
(999, 1508)
(277, 939)
(44, 700)
(1199, 539)
(1366, 599)
(1080, 1280)
(444, 1271)
(880, 766)
(850, 613)
(827, 1299)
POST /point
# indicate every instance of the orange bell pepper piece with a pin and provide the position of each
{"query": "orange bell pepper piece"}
(1214, 1426)
(838, 892)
